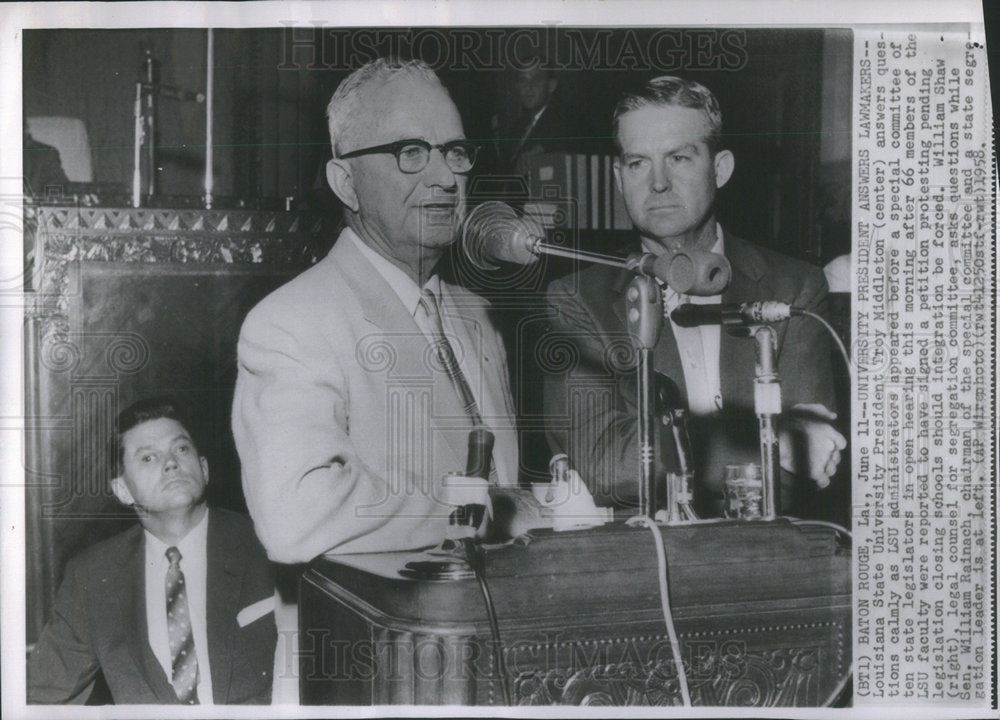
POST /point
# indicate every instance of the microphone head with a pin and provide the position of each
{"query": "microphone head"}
(687, 315)
(694, 272)
(494, 231)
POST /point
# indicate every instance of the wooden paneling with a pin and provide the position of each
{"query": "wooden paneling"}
(133, 303)
(762, 610)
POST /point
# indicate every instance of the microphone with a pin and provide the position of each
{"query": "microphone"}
(480, 455)
(494, 231)
(688, 272)
(177, 93)
(755, 313)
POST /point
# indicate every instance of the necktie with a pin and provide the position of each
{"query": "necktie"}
(445, 353)
(182, 657)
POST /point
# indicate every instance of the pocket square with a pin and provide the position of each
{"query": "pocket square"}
(255, 612)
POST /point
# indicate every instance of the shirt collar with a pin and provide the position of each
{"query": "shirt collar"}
(192, 544)
(403, 285)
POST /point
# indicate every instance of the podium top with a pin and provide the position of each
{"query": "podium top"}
(606, 570)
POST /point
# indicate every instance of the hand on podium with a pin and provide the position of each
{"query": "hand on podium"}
(515, 512)
(809, 445)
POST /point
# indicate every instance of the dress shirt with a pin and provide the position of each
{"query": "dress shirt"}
(698, 347)
(466, 346)
(194, 565)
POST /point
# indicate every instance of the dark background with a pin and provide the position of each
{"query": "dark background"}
(785, 97)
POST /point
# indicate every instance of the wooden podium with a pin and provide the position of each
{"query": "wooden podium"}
(762, 610)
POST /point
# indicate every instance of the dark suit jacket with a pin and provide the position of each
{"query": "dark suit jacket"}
(554, 131)
(99, 623)
(590, 401)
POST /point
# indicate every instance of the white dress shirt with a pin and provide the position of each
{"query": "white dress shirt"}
(698, 347)
(493, 405)
(194, 564)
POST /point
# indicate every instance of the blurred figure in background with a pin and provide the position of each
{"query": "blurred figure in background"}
(539, 122)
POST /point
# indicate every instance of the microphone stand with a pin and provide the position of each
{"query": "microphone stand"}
(150, 67)
(144, 132)
(767, 405)
(138, 136)
(644, 315)
(672, 417)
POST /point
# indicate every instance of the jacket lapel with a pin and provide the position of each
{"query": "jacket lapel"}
(383, 309)
(130, 592)
(379, 302)
(225, 580)
(737, 355)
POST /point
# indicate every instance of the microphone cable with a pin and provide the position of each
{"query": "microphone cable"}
(476, 559)
(668, 618)
(833, 333)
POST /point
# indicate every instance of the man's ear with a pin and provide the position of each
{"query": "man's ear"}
(616, 168)
(121, 491)
(204, 467)
(341, 181)
(725, 163)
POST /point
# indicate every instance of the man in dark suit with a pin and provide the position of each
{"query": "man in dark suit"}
(541, 124)
(178, 609)
(669, 166)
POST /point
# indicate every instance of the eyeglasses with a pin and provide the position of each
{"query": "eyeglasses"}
(412, 156)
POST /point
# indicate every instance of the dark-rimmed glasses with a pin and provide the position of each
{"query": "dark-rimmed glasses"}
(412, 156)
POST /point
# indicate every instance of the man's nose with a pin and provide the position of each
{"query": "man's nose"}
(437, 172)
(660, 178)
(169, 461)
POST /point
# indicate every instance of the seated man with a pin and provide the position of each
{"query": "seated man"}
(179, 608)
(361, 379)
(670, 164)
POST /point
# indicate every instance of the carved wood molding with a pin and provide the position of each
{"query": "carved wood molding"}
(66, 235)
(724, 672)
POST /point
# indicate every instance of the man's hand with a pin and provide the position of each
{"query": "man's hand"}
(515, 512)
(809, 444)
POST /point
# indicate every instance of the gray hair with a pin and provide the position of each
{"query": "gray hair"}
(669, 90)
(345, 112)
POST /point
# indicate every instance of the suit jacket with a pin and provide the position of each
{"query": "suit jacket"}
(554, 131)
(344, 422)
(590, 403)
(99, 623)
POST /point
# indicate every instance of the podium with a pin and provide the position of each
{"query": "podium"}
(762, 610)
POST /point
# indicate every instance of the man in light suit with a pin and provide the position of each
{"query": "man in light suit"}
(179, 608)
(344, 419)
(669, 166)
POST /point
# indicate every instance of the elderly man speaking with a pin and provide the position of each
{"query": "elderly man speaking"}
(360, 379)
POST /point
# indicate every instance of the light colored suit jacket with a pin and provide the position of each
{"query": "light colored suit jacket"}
(344, 421)
(99, 623)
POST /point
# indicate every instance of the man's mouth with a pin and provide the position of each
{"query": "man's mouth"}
(438, 206)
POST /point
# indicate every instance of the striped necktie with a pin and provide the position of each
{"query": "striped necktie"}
(446, 354)
(182, 656)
